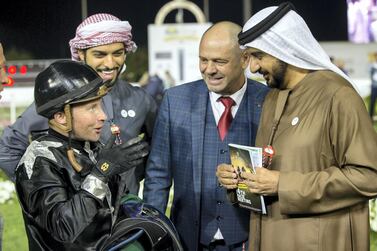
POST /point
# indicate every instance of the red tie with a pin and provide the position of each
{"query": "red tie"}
(226, 118)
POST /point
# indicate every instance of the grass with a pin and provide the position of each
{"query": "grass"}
(373, 241)
(14, 236)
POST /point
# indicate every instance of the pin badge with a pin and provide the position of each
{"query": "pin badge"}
(124, 113)
(115, 130)
(131, 113)
(295, 121)
(269, 151)
(268, 154)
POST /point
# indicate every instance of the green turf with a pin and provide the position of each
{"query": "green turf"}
(14, 236)
(373, 241)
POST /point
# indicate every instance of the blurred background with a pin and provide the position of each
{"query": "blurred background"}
(41, 29)
(35, 33)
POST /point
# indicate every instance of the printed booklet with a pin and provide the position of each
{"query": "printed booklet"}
(246, 159)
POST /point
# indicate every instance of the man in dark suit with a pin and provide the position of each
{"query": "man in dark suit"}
(187, 146)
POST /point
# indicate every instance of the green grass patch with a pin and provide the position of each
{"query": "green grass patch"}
(14, 236)
(373, 241)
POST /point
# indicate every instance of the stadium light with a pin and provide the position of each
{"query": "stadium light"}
(23, 69)
(12, 69)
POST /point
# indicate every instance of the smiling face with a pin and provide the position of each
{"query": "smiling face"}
(87, 120)
(221, 61)
(274, 71)
(106, 60)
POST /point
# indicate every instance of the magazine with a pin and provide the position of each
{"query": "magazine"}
(246, 159)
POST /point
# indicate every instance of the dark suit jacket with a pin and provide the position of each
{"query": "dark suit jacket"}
(177, 153)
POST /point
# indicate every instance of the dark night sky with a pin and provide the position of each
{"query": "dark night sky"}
(44, 27)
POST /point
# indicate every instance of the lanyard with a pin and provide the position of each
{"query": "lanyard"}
(268, 151)
(280, 104)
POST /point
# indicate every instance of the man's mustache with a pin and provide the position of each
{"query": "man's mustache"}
(107, 69)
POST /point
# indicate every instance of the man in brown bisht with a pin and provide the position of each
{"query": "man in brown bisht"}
(323, 167)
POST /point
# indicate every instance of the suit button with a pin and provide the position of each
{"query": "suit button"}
(222, 151)
(219, 218)
(219, 202)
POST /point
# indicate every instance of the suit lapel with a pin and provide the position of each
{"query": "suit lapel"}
(108, 106)
(198, 114)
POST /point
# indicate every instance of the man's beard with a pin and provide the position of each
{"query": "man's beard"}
(110, 83)
(278, 74)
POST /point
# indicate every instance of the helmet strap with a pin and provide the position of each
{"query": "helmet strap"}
(67, 129)
(68, 115)
(71, 155)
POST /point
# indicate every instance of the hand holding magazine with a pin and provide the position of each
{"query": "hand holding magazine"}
(246, 159)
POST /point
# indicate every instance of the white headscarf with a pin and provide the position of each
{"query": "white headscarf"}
(291, 41)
